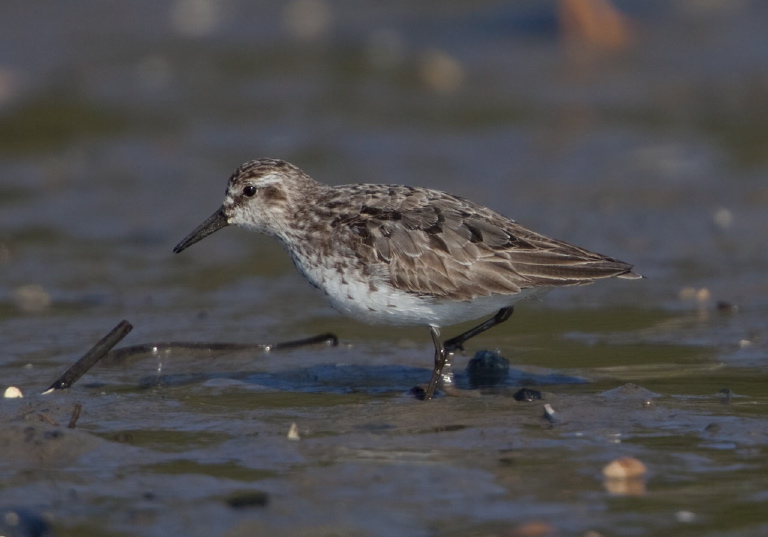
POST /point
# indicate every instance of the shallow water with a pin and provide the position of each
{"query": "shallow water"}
(118, 129)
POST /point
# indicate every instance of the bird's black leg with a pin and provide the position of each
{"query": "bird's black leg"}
(443, 352)
(457, 343)
(441, 357)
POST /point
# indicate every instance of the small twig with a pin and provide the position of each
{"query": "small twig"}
(75, 415)
(90, 358)
(47, 419)
(328, 338)
(170, 346)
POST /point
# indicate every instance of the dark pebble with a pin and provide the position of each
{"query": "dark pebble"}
(244, 500)
(726, 307)
(486, 369)
(527, 395)
(418, 392)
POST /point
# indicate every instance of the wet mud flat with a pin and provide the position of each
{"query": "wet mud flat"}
(325, 440)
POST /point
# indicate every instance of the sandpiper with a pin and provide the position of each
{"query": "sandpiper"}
(403, 255)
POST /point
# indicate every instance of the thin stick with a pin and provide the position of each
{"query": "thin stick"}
(75, 415)
(90, 358)
(169, 346)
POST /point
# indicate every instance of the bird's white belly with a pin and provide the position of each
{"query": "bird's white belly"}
(400, 308)
(378, 302)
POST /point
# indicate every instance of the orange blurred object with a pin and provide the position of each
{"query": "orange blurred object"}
(595, 22)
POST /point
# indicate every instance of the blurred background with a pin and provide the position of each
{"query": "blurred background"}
(635, 128)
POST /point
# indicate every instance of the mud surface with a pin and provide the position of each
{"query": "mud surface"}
(119, 125)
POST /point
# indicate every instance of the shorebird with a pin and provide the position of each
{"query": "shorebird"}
(402, 255)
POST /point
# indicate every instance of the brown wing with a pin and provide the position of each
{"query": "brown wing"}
(440, 245)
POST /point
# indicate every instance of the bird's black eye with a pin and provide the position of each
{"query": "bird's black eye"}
(249, 191)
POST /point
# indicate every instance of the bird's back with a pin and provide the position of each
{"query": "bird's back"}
(433, 244)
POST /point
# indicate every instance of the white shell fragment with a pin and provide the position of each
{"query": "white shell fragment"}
(12, 392)
(293, 432)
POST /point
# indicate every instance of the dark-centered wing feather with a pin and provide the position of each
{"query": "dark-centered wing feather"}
(435, 244)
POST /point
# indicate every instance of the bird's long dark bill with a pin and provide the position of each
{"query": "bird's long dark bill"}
(216, 221)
